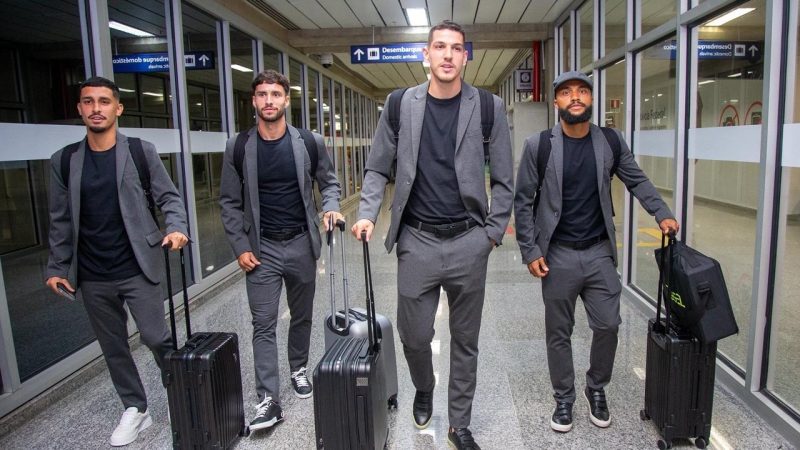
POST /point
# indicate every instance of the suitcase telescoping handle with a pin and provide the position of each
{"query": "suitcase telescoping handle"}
(185, 298)
(372, 324)
(340, 224)
(667, 245)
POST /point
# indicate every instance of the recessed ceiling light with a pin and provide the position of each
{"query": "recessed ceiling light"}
(129, 29)
(417, 17)
(735, 75)
(705, 82)
(241, 68)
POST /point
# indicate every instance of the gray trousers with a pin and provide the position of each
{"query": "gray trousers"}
(457, 265)
(590, 274)
(292, 262)
(103, 301)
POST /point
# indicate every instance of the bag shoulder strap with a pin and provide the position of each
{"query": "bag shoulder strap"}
(140, 161)
(311, 148)
(616, 146)
(487, 120)
(393, 107)
(238, 153)
(542, 156)
(66, 156)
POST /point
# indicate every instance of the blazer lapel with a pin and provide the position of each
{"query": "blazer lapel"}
(465, 112)
(557, 154)
(298, 149)
(599, 145)
(251, 167)
(418, 102)
(74, 184)
(122, 159)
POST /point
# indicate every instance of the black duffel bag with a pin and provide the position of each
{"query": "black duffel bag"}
(697, 293)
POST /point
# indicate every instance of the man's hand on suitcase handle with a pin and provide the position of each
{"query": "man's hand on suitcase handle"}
(330, 217)
(174, 241)
(669, 227)
(363, 225)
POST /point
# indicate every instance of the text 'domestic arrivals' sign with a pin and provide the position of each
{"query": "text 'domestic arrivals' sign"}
(159, 62)
(392, 53)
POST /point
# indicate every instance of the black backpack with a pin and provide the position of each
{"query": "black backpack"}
(487, 116)
(543, 155)
(139, 160)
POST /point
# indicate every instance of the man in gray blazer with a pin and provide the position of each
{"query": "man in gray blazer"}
(441, 219)
(272, 223)
(105, 243)
(569, 240)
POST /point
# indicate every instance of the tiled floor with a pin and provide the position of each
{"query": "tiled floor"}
(512, 404)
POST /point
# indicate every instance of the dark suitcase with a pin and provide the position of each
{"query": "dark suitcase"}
(354, 323)
(679, 380)
(697, 293)
(204, 385)
(349, 392)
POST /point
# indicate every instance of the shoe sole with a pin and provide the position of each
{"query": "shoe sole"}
(560, 428)
(597, 422)
(265, 425)
(424, 425)
(142, 426)
(299, 395)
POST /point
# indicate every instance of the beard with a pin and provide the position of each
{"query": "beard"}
(94, 129)
(265, 118)
(572, 119)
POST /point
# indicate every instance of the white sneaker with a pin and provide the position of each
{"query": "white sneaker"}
(131, 423)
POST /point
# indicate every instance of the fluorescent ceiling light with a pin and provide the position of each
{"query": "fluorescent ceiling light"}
(725, 18)
(241, 68)
(735, 75)
(126, 90)
(128, 29)
(153, 94)
(705, 82)
(417, 17)
(660, 95)
(296, 88)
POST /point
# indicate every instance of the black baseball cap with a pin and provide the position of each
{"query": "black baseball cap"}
(572, 75)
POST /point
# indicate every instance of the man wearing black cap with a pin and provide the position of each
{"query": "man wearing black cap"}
(567, 238)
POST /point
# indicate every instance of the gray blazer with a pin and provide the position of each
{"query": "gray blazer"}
(242, 225)
(534, 233)
(469, 163)
(143, 233)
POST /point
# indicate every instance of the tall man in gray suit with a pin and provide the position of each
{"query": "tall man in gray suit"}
(441, 219)
(105, 243)
(569, 240)
(272, 223)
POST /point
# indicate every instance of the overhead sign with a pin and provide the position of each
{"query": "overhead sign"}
(749, 50)
(159, 62)
(523, 80)
(392, 53)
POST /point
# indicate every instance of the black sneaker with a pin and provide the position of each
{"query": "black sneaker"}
(423, 409)
(562, 417)
(598, 407)
(269, 413)
(461, 439)
(301, 384)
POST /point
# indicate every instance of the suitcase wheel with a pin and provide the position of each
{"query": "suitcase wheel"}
(393, 402)
(664, 445)
(245, 431)
(701, 442)
(643, 415)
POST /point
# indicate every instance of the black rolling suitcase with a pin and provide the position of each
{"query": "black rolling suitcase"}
(679, 383)
(350, 410)
(339, 325)
(204, 385)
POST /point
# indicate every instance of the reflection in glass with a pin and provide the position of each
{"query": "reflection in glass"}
(296, 94)
(613, 114)
(347, 134)
(243, 72)
(655, 13)
(272, 58)
(313, 100)
(616, 19)
(586, 38)
(654, 145)
(341, 169)
(725, 182)
(566, 46)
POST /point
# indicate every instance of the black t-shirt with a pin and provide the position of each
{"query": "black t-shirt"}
(581, 215)
(435, 197)
(280, 201)
(104, 250)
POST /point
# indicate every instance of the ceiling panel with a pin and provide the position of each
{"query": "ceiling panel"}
(366, 13)
(488, 11)
(464, 11)
(341, 13)
(472, 66)
(315, 13)
(506, 57)
(512, 11)
(290, 12)
(391, 12)
(439, 11)
(487, 65)
(555, 10)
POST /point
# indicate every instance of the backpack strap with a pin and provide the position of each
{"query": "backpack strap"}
(487, 120)
(66, 156)
(140, 161)
(393, 107)
(238, 153)
(542, 156)
(616, 147)
(311, 148)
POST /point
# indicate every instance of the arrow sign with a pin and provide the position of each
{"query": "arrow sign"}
(358, 54)
(204, 59)
(753, 50)
(392, 53)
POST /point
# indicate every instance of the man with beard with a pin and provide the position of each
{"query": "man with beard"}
(272, 223)
(567, 239)
(441, 219)
(105, 243)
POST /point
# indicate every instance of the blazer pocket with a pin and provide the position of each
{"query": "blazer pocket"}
(154, 238)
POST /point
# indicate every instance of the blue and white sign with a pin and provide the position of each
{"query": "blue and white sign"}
(159, 62)
(749, 50)
(392, 53)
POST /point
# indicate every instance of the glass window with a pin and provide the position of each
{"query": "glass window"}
(243, 71)
(272, 58)
(586, 30)
(341, 169)
(616, 18)
(724, 155)
(347, 134)
(613, 114)
(654, 147)
(566, 46)
(296, 99)
(655, 13)
(784, 354)
(313, 101)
